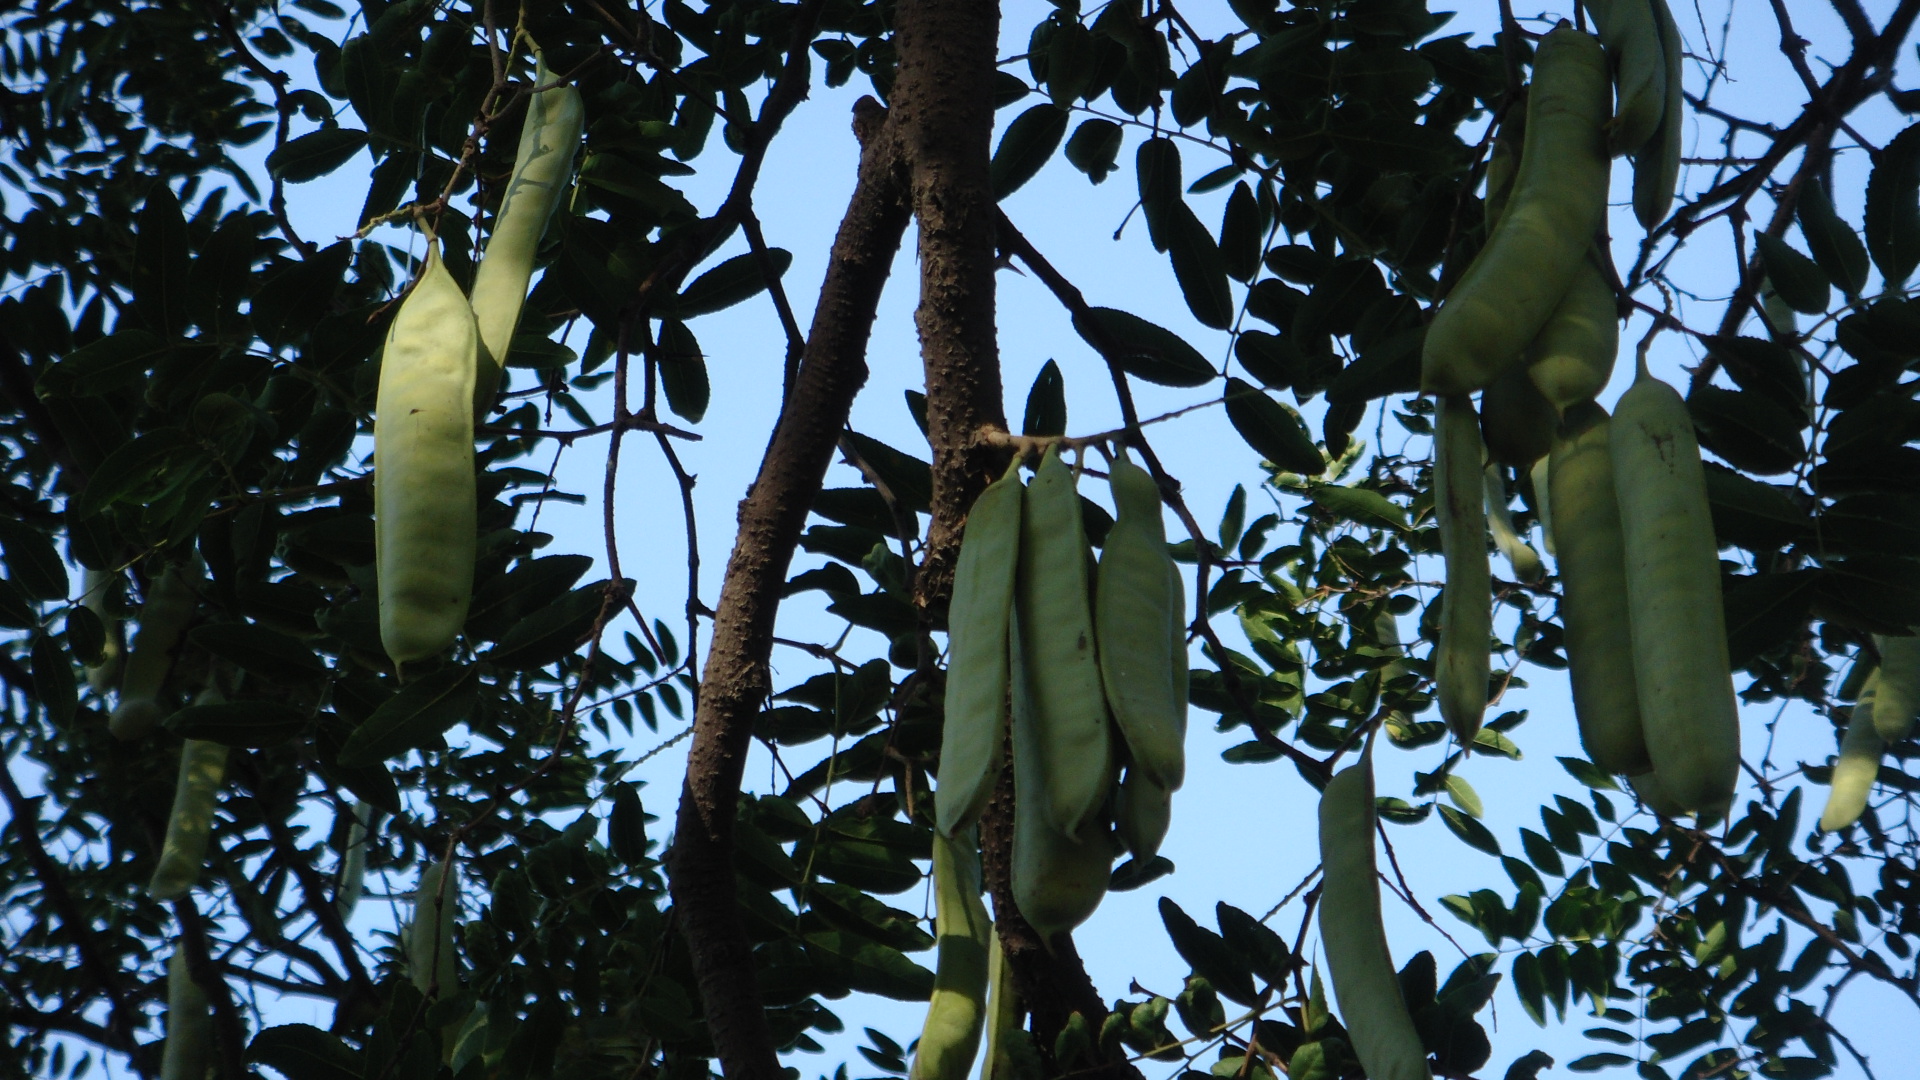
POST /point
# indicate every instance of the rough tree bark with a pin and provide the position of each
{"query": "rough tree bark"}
(735, 681)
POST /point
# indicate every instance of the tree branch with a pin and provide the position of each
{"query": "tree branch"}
(736, 680)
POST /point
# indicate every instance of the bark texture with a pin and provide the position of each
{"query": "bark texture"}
(735, 681)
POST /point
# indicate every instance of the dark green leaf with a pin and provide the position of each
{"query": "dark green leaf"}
(258, 650)
(869, 966)
(251, 724)
(1363, 505)
(1797, 279)
(116, 362)
(1208, 954)
(162, 263)
(1094, 148)
(1835, 246)
(1273, 429)
(1753, 515)
(1749, 431)
(733, 281)
(32, 563)
(416, 716)
(683, 371)
(503, 600)
(315, 154)
(556, 630)
(1025, 147)
(1198, 267)
(1241, 234)
(1046, 403)
(1893, 207)
(53, 683)
(907, 477)
(1473, 833)
(1142, 349)
(303, 1052)
(1157, 164)
(1766, 611)
(1265, 951)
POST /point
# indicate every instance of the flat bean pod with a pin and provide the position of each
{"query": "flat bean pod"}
(1365, 983)
(1559, 201)
(183, 854)
(1687, 708)
(424, 503)
(1053, 617)
(1136, 595)
(169, 608)
(548, 139)
(188, 1052)
(1460, 664)
(978, 618)
(1591, 558)
(1858, 765)
(1899, 686)
(957, 1012)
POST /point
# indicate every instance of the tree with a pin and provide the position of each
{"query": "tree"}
(187, 381)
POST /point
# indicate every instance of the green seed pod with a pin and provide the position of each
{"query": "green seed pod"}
(1516, 420)
(1559, 201)
(183, 855)
(1543, 501)
(423, 489)
(96, 593)
(548, 140)
(1460, 664)
(1899, 686)
(1858, 765)
(1632, 37)
(431, 959)
(1365, 983)
(1646, 787)
(1519, 554)
(1053, 616)
(1687, 708)
(188, 1053)
(169, 608)
(1593, 580)
(1004, 1013)
(978, 617)
(1058, 880)
(950, 1038)
(1135, 597)
(1656, 167)
(1142, 811)
(353, 861)
(1571, 359)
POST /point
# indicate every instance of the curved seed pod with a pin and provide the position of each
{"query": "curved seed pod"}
(353, 862)
(1571, 359)
(1460, 664)
(1559, 200)
(96, 590)
(431, 960)
(188, 1053)
(1516, 421)
(1543, 501)
(950, 1038)
(183, 855)
(1364, 979)
(164, 616)
(1135, 598)
(977, 620)
(1899, 686)
(1054, 618)
(423, 488)
(1858, 765)
(1687, 708)
(1656, 168)
(1632, 37)
(1519, 554)
(1004, 1014)
(1646, 787)
(1593, 581)
(1058, 881)
(541, 166)
(1142, 811)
